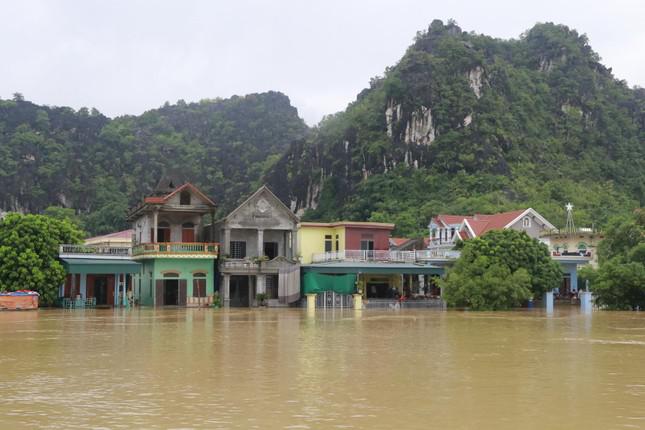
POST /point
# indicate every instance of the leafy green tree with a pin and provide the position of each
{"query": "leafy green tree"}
(619, 283)
(29, 251)
(500, 270)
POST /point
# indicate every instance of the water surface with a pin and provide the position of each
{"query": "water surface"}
(285, 369)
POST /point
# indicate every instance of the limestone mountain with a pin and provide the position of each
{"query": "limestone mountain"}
(466, 123)
(55, 156)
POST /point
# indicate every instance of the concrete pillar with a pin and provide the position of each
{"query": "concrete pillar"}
(586, 304)
(116, 289)
(72, 288)
(226, 291)
(154, 226)
(311, 302)
(260, 242)
(548, 302)
(260, 282)
(125, 290)
(83, 285)
(574, 278)
(358, 302)
(226, 246)
(294, 244)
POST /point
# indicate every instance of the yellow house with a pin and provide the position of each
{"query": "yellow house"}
(317, 237)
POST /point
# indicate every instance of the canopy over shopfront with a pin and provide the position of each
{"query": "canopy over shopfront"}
(373, 268)
(99, 266)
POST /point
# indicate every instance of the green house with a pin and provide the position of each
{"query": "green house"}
(178, 263)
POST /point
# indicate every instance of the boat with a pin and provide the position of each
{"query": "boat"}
(19, 300)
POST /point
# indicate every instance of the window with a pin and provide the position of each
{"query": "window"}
(367, 245)
(271, 250)
(328, 243)
(337, 244)
(526, 222)
(272, 286)
(188, 232)
(452, 232)
(184, 197)
(199, 284)
(238, 249)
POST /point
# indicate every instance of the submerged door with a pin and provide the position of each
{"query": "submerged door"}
(240, 291)
(181, 300)
(100, 290)
(171, 292)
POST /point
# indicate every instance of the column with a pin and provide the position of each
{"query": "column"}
(116, 289)
(226, 246)
(72, 288)
(125, 290)
(226, 291)
(260, 242)
(260, 284)
(83, 285)
(294, 244)
(154, 226)
(574, 277)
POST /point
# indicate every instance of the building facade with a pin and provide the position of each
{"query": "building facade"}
(259, 261)
(178, 260)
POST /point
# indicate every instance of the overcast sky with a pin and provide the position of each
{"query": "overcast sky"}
(125, 57)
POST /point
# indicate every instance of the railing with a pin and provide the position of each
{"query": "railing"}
(174, 248)
(385, 256)
(115, 251)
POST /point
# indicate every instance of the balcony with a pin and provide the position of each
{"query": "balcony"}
(94, 251)
(386, 256)
(176, 250)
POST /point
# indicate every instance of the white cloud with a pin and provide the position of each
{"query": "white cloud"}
(125, 57)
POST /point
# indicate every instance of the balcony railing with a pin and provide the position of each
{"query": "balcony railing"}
(386, 256)
(94, 250)
(175, 248)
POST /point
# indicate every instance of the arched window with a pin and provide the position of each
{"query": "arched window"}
(184, 197)
(582, 246)
(526, 222)
(171, 275)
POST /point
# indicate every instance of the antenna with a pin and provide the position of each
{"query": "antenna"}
(570, 227)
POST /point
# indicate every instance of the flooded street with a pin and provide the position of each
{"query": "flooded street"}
(285, 369)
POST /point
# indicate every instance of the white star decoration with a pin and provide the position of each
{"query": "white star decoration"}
(569, 207)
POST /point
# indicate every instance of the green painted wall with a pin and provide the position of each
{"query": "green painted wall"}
(154, 269)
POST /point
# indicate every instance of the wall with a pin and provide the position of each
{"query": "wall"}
(185, 266)
(311, 240)
(380, 238)
(536, 228)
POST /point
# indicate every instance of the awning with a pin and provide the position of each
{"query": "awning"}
(378, 268)
(100, 266)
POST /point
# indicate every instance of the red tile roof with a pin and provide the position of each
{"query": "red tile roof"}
(481, 223)
(398, 241)
(125, 234)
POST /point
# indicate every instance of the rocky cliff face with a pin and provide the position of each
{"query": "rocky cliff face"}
(460, 103)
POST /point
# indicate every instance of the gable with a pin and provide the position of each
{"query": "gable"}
(262, 210)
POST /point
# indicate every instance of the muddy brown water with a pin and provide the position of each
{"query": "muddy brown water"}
(287, 369)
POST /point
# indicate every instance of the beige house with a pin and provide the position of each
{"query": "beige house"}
(583, 241)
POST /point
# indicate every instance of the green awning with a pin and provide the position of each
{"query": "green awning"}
(313, 283)
(376, 268)
(100, 266)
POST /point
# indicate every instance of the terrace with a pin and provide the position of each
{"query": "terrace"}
(176, 249)
(424, 255)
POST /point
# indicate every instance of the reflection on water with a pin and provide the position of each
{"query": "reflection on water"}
(289, 369)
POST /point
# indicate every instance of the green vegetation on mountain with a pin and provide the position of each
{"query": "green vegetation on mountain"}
(467, 123)
(500, 270)
(462, 123)
(52, 156)
(29, 253)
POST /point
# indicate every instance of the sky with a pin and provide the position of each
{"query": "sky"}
(126, 57)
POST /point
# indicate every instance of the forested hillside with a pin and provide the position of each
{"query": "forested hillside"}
(462, 123)
(55, 156)
(467, 123)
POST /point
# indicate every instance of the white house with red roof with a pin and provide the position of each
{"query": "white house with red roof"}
(446, 230)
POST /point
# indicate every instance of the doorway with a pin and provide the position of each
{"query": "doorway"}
(171, 292)
(100, 290)
(239, 292)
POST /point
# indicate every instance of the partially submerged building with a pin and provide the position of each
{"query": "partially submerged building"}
(259, 261)
(178, 261)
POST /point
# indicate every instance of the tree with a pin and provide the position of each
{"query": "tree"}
(619, 283)
(500, 270)
(29, 251)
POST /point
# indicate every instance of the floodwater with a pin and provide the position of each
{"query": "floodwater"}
(287, 369)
